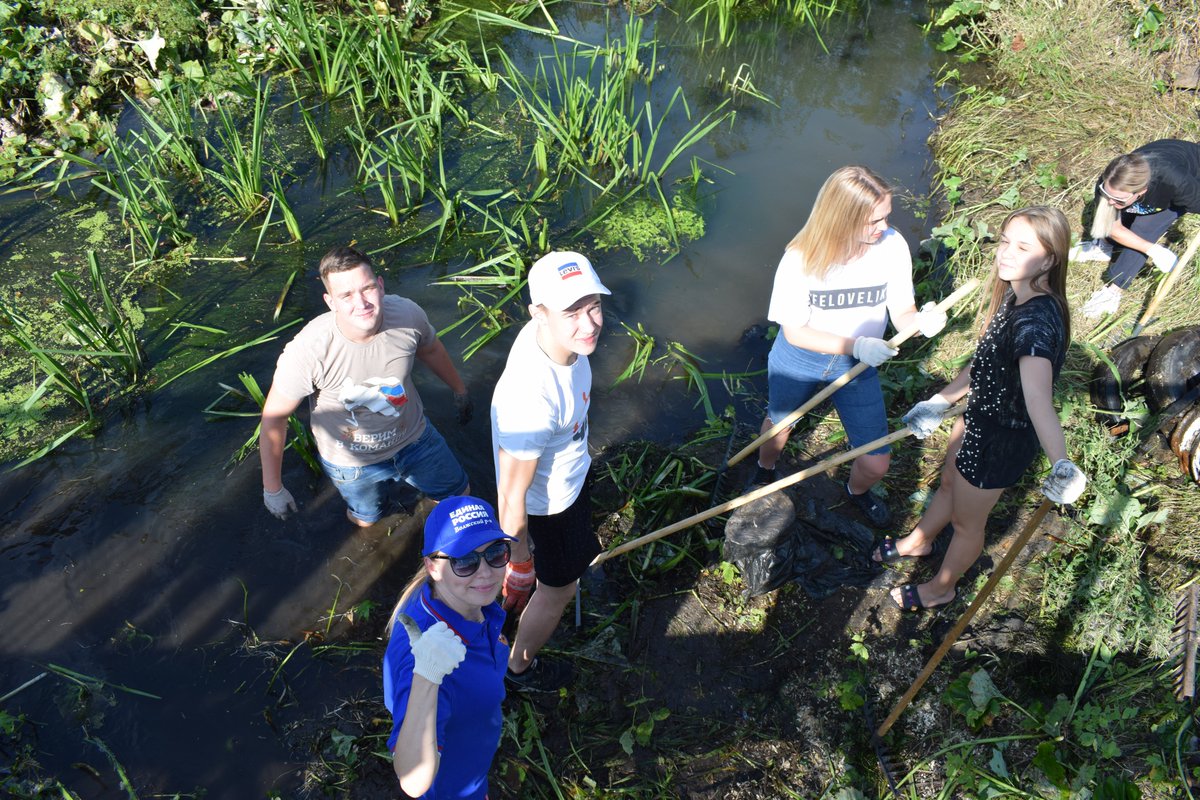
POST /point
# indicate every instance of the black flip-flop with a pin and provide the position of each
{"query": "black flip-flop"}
(910, 599)
(888, 554)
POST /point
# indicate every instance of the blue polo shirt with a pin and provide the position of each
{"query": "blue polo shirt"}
(467, 740)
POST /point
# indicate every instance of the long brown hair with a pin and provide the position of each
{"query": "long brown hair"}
(1128, 173)
(843, 207)
(1054, 235)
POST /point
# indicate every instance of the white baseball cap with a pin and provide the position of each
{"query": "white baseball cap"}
(558, 279)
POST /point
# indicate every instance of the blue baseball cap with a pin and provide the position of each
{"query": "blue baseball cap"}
(458, 525)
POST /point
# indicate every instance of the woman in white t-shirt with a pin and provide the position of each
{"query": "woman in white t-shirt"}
(839, 280)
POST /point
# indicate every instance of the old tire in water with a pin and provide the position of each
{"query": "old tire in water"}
(1109, 391)
(1174, 367)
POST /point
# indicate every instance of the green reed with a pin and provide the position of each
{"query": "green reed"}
(643, 347)
(16, 327)
(487, 290)
(324, 48)
(106, 336)
(724, 15)
(242, 160)
(301, 440)
(399, 155)
(138, 182)
(172, 125)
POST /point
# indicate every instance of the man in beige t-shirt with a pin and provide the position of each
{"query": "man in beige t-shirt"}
(354, 364)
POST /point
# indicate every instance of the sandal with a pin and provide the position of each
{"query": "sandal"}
(910, 599)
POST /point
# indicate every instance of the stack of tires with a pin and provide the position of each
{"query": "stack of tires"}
(1166, 369)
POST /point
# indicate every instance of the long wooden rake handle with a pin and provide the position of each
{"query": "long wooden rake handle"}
(968, 615)
(851, 374)
(1164, 288)
(763, 491)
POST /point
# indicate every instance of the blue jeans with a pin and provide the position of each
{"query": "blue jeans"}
(426, 464)
(1128, 262)
(794, 375)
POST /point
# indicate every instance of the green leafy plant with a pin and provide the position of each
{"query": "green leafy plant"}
(647, 227)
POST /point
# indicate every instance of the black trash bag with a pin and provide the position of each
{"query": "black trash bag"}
(820, 574)
(770, 547)
(758, 539)
(835, 528)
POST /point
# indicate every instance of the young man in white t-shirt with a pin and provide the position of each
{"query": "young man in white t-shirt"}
(539, 438)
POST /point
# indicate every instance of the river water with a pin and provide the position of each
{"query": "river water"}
(138, 558)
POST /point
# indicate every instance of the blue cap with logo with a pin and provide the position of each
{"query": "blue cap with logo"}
(458, 525)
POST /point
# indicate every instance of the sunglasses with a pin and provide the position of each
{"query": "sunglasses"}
(497, 555)
(1120, 201)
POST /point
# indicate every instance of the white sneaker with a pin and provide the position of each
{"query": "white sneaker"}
(1105, 300)
(1091, 250)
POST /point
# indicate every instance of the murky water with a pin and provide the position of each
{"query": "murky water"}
(138, 558)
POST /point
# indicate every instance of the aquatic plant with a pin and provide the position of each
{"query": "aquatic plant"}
(172, 123)
(724, 15)
(478, 305)
(242, 160)
(301, 439)
(647, 227)
(108, 336)
(16, 328)
(139, 184)
(323, 47)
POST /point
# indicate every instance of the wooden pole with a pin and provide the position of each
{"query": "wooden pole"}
(968, 615)
(763, 491)
(1164, 288)
(851, 374)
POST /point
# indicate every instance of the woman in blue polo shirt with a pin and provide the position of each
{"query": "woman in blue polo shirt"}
(443, 671)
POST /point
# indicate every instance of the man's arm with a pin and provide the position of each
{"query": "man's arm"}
(273, 436)
(512, 484)
(434, 356)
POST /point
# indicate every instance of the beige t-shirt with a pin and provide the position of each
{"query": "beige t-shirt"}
(364, 405)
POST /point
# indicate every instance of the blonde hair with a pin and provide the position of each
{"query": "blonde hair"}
(1128, 173)
(1054, 235)
(415, 584)
(832, 234)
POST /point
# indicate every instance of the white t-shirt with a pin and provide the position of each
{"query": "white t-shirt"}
(539, 411)
(364, 405)
(854, 299)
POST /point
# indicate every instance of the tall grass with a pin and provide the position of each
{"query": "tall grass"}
(323, 47)
(242, 158)
(139, 183)
(172, 124)
(722, 16)
(106, 335)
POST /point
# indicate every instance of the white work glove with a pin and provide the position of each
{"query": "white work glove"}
(436, 652)
(930, 320)
(872, 351)
(1105, 300)
(925, 417)
(1090, 250)
(1163, 258)
(279, 503)
(1065, 482)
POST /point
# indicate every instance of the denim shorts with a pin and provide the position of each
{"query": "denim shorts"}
(794, 375)
(426, 464)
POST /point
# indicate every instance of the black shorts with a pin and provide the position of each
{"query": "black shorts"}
(564, 544)
(993, 456)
